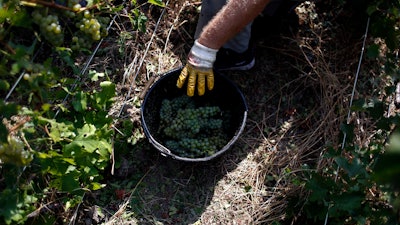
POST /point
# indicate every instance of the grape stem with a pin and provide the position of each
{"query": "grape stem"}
(19, 124)
(34, 3)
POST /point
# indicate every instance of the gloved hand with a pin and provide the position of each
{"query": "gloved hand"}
(199, 67)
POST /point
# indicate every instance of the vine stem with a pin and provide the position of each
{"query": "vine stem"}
(350, 104)
(34, 3)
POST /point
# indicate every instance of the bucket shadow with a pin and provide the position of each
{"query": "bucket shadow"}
(178, 192)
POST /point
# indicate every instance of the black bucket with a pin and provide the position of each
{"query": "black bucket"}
(226, 95)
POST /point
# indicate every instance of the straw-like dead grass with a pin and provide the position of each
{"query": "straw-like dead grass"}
(298, 95)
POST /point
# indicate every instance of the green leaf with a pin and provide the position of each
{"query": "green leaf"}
(60, 131)
(69, 182)
(346, 203)
(66, 55)
(371, 9)
(3, 133)
(88, 141)
(95, 186)
(139, 20)
(22, 51)
(73, 201)
(89, 3)
(5, 14)
(106, 94)
(69, 161)
(353, 168)
(376, 109)
(4, 85)
(347, 129)
(358, 105)
(46, 107)
(90, 146)
(16, 204)
(317, 187)
(8, 109)
(94, 76)
(80, 102)
(373, 51)
(157, 2)
(21, 19)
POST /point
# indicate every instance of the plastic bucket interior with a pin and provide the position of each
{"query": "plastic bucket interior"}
(225, 94)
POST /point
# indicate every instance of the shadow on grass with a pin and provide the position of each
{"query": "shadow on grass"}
(161, 190)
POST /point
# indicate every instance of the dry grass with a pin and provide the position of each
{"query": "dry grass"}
(298, 95)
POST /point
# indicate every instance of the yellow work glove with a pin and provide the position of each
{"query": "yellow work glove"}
(198, 68)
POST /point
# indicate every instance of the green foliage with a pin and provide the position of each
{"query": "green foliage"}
(16, 205)
(138, 20)
(72, 153)
(343, 189)
(156, 2)
(55, 131)
(385, 16)
(361, 184)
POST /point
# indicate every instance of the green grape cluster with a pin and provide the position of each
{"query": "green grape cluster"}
(13, 152)
(82, 27)
(50, 27)
(90, 29)
(191, 131)
(89, 25)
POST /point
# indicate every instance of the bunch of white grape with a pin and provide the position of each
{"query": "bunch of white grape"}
(76, 23)
(90, 29)
(191, 131)
(49, 27)
(89, 25)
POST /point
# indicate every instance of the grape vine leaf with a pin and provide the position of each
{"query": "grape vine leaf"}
(347, 202)
(106, 94)
(88, 140)
(69, 182)
(80, 102)
(157, 2)
(353, 168)
(94, 75)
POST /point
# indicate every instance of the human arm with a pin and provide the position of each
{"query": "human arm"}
(229, 21)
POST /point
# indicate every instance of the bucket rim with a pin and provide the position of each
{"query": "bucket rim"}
(164, 150)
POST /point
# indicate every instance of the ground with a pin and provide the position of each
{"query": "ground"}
(297, 93)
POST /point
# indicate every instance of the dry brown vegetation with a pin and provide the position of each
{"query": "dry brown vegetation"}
(298, 95)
